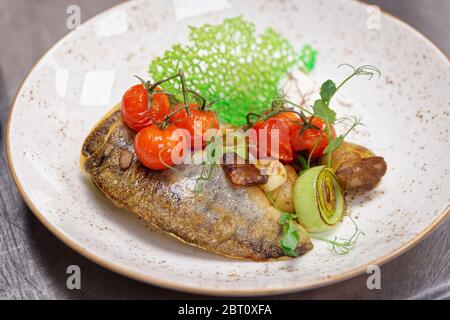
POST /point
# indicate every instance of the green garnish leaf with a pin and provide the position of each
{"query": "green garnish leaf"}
(291, 235)
(290, 238)
(289, 241)
(285, 217)
(322, 110)
(232, 64)
(327, 90)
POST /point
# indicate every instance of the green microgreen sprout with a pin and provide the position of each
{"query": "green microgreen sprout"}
(168, 166)
(342, 246)
(211, 154)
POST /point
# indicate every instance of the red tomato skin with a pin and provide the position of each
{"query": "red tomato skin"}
(135, 111)
(208, 120)
(291, 119)
(153, 143)
(309, 138)
(182, 114)
(284, 149)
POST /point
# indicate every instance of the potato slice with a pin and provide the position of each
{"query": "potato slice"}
(275, 171)
(282, 196)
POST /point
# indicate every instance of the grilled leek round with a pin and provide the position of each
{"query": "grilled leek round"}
(318, 199)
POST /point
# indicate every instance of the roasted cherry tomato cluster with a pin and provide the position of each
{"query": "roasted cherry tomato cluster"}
(293, 136)
(158, 141)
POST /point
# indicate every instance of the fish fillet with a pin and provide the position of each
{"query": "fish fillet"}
(230, 221)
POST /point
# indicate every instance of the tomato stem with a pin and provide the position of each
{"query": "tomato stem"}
(297, 106)
(160, 82)
(300, 114)
(166, 120)
(252, 114)
(183, 87)
(200, 97)
(209, 105)
(275, 112)
(151, 88)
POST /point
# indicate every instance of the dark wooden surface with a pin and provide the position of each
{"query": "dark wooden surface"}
(33, 262)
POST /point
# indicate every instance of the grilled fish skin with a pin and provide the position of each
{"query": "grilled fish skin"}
(230, 221)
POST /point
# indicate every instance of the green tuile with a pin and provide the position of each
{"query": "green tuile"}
(232, 64)
(308, 57)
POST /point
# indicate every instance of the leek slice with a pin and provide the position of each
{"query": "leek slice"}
(318, 199)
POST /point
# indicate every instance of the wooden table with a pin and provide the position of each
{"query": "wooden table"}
(33, 262)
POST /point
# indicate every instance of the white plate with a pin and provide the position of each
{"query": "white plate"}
(406, 115)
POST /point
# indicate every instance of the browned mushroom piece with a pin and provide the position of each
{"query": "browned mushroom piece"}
(357, 167)
(242, 174)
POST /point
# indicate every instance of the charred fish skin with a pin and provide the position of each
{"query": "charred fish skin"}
(100, 133)
(234, 222)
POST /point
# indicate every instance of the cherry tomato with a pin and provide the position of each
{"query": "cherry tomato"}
(284, 148)
(182, 114)
(291, 119)
(135, 111)
(310, 137)
(204, 118)
(156, 148)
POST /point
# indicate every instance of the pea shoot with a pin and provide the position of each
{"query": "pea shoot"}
(323, 110)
